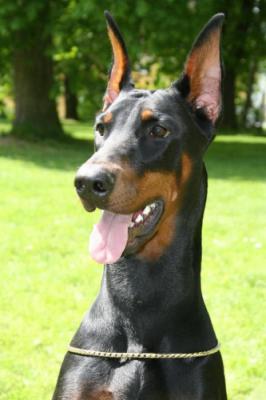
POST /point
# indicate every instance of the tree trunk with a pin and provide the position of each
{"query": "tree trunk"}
(262, 110)
(250, 84)
(235, 46)
(229, 108)
(35, 109)
(71, 101)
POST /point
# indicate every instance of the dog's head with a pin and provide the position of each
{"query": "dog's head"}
(149, 149)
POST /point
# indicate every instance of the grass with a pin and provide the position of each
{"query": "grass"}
(48, 280)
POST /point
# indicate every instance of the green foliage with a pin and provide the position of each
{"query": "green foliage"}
(154, 35)
(158, 36)
(16, 14)
(48, 280)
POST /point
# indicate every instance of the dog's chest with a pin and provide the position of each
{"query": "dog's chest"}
(131, 380)
(101, 380)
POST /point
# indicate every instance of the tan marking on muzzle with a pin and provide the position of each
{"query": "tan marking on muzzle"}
(173, 202)
(186, 169)
(131, 193)
(166, 188)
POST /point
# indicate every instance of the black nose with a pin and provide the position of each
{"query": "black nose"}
(94, 183)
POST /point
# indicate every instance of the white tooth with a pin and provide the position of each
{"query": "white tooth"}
(131, 224)
(139, 219)
(147, 210)
(152, 206)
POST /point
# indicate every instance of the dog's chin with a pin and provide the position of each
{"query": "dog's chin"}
(143, 226)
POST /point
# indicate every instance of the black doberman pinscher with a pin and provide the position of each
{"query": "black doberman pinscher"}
(147, 175)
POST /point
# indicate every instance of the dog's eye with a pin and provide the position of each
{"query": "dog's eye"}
(159, 131)
(100, 129)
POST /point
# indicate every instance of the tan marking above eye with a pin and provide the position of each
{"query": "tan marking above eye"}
(146, 115)
(107, 117)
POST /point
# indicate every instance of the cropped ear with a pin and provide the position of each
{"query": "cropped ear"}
(119, 77)
(201, 80)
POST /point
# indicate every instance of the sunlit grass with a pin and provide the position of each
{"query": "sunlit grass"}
(48, 280)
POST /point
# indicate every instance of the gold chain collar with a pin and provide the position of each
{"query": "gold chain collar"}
(138, 356)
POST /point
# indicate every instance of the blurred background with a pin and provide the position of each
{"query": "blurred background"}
(54, 58)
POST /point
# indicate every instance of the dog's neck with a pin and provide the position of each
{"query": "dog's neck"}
(157, 305)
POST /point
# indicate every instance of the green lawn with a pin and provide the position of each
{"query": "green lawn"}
(48, 280)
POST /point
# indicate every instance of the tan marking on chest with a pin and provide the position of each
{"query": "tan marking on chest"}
(101, 395)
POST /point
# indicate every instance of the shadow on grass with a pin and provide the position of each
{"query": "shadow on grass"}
(67, 154)
(225, 159)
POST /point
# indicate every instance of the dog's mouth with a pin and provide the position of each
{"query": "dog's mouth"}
(118, 235)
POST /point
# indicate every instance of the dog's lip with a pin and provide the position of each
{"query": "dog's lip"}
(145, 217)
(140, 234)
(90, 208)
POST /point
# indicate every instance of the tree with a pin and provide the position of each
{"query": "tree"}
(81, 48)
(71, 100)
(242, 30)
(65, 42)
(27, 31)
(159, 44)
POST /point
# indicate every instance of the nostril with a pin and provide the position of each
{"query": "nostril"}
(99, 187)
(80, 185)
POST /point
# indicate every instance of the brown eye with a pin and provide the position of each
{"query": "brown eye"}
(159, 132)
(100, 129)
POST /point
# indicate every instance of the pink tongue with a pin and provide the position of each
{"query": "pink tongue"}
(109, 237)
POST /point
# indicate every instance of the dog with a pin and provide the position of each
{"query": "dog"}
(148, 335)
